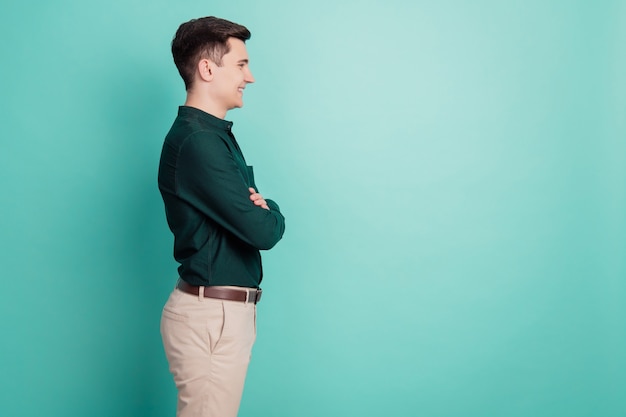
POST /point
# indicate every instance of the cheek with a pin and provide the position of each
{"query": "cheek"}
(236, 79)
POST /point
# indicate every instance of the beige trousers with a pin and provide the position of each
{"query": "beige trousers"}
(208, 343)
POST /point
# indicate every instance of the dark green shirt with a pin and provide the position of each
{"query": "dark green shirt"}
(204, 180)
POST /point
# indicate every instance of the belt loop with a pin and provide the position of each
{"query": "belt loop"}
(247, 296)
(200, 293)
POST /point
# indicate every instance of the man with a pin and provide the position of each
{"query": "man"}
(219, 222)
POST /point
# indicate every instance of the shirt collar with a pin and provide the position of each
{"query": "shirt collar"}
(205, 117)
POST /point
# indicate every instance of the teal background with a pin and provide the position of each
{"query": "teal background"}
(453, 176)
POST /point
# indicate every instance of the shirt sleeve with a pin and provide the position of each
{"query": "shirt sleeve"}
(209, 179)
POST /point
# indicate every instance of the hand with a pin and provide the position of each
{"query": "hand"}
(257, 199)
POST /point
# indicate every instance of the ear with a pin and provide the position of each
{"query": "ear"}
(206, 69)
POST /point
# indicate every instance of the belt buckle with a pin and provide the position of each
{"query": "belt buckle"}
(258, 295)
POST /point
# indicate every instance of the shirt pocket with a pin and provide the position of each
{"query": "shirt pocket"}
(250, 172)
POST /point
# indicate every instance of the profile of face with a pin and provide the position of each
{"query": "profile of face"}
(230, 79)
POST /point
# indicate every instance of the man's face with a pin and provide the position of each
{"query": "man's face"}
(232, 77)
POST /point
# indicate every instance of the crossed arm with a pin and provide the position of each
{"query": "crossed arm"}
(209, 179)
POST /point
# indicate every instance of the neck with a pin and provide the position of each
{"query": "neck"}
(202, 103)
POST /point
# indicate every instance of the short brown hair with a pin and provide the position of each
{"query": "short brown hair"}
(203, 38)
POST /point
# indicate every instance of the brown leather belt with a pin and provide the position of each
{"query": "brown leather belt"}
(245, 295)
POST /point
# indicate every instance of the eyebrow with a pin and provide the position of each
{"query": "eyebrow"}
(244, 61)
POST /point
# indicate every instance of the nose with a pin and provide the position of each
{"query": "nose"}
(249, 78)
